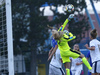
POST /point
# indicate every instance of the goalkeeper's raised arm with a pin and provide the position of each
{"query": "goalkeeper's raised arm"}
(68, 35)
(66, 21)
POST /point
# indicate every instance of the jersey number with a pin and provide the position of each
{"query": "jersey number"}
(54, 56)
(99, 47)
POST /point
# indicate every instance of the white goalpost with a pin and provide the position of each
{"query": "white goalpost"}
(6, 40)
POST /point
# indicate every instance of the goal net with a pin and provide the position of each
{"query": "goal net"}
(6, 44)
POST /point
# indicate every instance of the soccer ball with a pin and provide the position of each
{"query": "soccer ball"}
(70, 8)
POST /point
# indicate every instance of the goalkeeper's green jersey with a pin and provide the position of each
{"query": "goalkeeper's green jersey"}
(63, 43)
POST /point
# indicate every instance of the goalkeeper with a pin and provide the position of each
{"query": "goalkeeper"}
(63, 37)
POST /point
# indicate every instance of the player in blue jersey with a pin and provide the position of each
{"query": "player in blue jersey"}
(90, 61)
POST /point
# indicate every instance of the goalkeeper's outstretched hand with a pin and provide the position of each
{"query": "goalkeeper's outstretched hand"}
(70, 16)
(66, 32)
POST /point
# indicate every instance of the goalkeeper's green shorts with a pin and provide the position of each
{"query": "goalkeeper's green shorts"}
(69, 53)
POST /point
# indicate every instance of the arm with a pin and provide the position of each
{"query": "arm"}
(88, 55)
(87, 59)
(69, 37)
(61, 60)
(66, 21)
(63, 26)
(90, 48)
(50, 51)
(54, 50)
(79, 63)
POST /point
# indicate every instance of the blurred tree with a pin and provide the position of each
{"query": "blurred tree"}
(79, 28)
(29, 28)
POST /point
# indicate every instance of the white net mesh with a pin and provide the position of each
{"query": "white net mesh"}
(3, 39)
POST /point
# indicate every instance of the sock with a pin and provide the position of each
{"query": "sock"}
(67, 71)
(86, 63)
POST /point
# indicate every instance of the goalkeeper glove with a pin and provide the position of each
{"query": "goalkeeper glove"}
(70, 16)
(66, 32)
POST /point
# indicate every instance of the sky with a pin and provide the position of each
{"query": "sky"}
(89, 7)
(48, 12)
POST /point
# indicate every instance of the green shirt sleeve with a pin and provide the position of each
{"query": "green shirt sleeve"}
(63, 26)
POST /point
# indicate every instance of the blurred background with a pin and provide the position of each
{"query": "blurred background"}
(31, 36)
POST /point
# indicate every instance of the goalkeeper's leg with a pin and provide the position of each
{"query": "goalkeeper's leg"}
(76, 54)
(67, 66)
(85, 62)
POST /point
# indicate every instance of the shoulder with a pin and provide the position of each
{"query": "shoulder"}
(92, 41)
(98, 41)
(53, 40)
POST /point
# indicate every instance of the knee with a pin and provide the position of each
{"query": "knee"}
(67, 65)
(81, 56)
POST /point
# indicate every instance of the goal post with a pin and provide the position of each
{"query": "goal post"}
(6, 39)
(9, 37)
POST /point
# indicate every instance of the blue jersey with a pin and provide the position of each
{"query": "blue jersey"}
(54, 43)
(88, 56)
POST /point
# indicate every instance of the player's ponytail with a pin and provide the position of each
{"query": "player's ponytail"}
(51, 27)
(94, 30)
(93, 33)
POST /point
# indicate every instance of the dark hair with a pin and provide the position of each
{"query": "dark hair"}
(93, 33)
